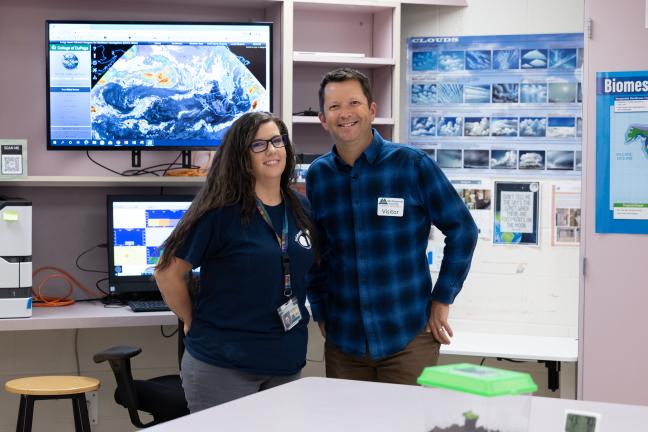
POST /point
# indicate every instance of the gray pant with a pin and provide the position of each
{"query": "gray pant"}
(206, 385)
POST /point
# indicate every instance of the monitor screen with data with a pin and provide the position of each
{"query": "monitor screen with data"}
(153, 85)
(138, 225)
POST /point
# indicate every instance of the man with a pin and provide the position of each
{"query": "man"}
(374, 202)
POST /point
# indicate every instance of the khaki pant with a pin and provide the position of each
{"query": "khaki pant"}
(403, 367)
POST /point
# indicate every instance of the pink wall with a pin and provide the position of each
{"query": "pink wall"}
(613, 362)
(22, 70)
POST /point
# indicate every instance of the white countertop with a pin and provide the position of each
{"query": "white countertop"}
(86, 315)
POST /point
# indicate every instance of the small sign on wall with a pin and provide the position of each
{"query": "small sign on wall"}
(516, 213)
(13, 158)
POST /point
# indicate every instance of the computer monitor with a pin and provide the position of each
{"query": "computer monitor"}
(153, 85)
(138, 225)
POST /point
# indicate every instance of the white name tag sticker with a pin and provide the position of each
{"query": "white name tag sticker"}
(391, 207)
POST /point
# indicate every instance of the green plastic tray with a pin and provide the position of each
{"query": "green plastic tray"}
(479, 380)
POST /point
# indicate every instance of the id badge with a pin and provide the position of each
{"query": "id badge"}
(394, 207)
(289, 313)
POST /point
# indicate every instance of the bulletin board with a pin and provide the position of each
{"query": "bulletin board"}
(502, 117)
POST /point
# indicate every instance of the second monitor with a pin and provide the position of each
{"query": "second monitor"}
(138, 225)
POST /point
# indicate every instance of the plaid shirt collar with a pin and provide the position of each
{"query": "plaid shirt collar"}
(370, 154)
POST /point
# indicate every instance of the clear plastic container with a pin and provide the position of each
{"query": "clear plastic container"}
(471, 398)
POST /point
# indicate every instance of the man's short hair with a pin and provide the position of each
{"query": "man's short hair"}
(341, 75)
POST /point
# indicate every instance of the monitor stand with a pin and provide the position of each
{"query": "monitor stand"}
(186, 158)
(136, 158)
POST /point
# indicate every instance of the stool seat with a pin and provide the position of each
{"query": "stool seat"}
(38, 388)
(52, 385)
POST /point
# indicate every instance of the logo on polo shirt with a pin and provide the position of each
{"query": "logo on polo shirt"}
(303, 239)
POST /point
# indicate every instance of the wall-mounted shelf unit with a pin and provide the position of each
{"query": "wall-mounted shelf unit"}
(91, 181)
(323, 35)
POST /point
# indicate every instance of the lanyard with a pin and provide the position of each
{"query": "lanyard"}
(283, 243)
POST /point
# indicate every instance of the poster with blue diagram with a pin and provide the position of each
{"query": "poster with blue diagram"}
(497, 105)
(622, 152)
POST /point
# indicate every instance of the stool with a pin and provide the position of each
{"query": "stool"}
(36, 388)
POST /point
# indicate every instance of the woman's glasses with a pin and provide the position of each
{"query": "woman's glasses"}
(260, 145)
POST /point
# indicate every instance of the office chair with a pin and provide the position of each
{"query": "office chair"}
(162, 397)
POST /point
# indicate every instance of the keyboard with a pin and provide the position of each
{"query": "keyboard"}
(148, 305)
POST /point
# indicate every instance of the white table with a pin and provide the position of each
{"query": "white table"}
(325, 405)
(558, 353)
(86, 315)
(554, 350)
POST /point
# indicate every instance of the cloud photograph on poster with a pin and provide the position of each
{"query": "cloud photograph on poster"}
(476, 126)
(505, 93)
(423, 94)
(423, 126)
(534, 59)
(533, 93)
(532, 160)
(504, 159)
(477, 93)
(450, 126)
(533, 126)
(564, 92)
(451, 60)
(506, 59)
(425, 60)
(450, 93)
(504, 126)
(478, 60)
(447, 158)
(561, 127)
(560, 160)
(476, 159)
(562, 58)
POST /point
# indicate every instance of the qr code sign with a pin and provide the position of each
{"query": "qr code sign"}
(11, 164)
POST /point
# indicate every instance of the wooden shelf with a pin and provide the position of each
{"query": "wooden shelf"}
(315, 120)
(436, 2)
(92, 181)
(328, 60)
(345, 5)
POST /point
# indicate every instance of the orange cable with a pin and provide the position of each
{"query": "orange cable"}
(41, 300)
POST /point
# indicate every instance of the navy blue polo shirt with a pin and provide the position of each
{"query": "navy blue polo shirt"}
(235, 321)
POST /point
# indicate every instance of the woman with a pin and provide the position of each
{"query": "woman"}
(251, 236)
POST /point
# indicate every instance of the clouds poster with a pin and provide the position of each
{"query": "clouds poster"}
(498, 105)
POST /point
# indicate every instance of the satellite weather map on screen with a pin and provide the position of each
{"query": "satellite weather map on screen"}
(128, 86)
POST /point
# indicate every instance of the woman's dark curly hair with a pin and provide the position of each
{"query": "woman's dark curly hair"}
(230, 181)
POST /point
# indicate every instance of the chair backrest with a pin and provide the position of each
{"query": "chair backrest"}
(118, 358)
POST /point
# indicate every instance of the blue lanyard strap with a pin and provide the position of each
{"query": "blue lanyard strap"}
(283, 244)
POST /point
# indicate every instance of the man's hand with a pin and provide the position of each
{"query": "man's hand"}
(438, 322)
(322, 328)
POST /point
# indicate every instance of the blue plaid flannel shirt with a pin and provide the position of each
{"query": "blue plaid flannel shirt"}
(373, 288)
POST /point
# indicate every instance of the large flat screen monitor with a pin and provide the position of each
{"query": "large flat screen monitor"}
(138, 225)
(152, 85)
